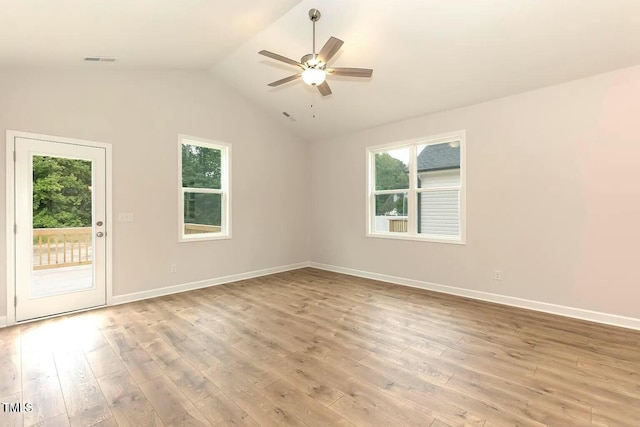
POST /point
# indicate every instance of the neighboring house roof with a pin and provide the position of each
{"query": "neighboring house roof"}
(438, 157)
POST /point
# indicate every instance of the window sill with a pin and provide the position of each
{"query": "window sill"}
(203, 238)
(403, 236)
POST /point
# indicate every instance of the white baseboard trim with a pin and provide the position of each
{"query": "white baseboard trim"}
(153, 293)
(561, 310)
(578, 313)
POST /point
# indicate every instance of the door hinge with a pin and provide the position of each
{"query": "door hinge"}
(15, 301)
(14, 156)
(15, 228)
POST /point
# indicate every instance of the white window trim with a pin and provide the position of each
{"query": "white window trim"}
(225, 189)
(412, 225)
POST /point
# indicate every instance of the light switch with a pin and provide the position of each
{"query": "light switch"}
(125, 217)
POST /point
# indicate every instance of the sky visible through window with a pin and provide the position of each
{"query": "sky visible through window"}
(401, 154)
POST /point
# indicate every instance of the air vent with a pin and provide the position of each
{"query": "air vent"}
(99, 59)
(287, 115)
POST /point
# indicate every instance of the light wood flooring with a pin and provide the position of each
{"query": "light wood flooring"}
(320, 349)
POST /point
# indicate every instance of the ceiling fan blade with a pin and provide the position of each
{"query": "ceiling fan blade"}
(350, 72)
(324, 88)
(280, 58)
(330, 48)
(285, 80)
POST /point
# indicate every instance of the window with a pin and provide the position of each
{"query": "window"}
(416, 189)
(204, 189)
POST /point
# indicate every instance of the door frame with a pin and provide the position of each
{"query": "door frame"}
(10, 198)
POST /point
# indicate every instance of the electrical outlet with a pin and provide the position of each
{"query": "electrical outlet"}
(497, 275)
(174, 268)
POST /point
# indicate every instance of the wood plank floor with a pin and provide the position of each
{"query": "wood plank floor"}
(320, 349)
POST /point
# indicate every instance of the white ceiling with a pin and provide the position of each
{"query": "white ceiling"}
(427, 55)
(432, 55)
(184, 34)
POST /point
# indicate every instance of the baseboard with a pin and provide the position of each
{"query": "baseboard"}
(3, 321)
(577, 313)
(153, 293)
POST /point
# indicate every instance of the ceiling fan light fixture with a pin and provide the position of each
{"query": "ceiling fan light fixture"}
(314, 76)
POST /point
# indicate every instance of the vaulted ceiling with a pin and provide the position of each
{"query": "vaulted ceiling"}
(183, 34)
(427, 55)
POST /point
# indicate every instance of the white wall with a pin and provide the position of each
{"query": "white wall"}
(552, 185)
(141, 115)
(553, 198)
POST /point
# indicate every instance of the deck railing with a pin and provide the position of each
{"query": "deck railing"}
(398, 225)
(190, 228)
(61, 247)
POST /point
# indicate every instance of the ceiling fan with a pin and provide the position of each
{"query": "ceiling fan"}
(314, 65)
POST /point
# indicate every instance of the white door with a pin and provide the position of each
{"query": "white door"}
(60, 235)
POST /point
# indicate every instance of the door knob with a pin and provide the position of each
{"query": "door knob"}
(99, 234)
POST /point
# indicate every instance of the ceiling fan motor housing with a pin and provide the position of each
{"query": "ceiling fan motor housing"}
(311, 62)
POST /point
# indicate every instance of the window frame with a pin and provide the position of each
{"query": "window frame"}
(412, 224)
(225, 189)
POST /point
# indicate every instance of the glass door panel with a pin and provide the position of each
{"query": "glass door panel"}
(62, 235)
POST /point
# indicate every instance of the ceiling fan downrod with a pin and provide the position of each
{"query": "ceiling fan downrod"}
(314, 15)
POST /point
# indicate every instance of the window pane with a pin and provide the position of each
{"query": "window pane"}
(202, 213)
(438, 165)
(201, 167)
(439, 213)
(391, 212)
(392, 169)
